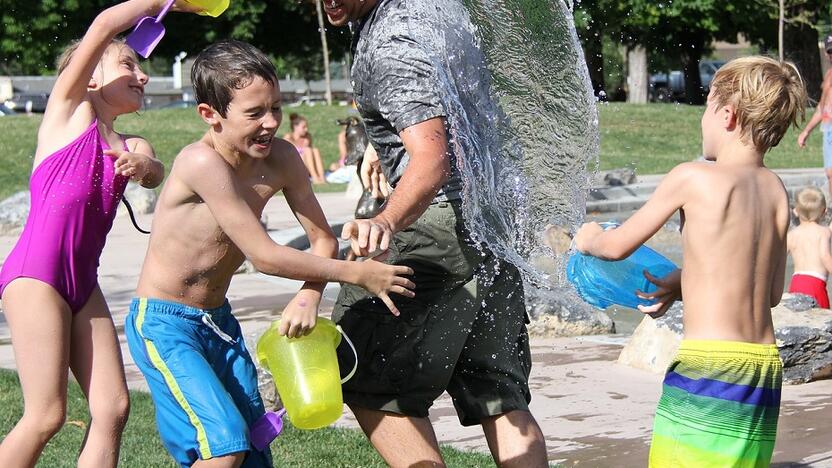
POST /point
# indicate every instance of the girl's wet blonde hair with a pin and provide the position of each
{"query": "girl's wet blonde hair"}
(69, 51)
(768, 95)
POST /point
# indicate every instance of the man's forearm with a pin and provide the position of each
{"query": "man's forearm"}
(418, 187)
(427, 170)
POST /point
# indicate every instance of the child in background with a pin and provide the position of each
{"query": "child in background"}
(721, 394)
(180, 330)
(56, 312)
(809, 247)
(302, 140)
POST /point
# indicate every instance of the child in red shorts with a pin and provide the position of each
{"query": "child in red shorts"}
(808, 245)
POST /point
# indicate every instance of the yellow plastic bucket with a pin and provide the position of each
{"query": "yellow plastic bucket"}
(306, 373)
(210, 7)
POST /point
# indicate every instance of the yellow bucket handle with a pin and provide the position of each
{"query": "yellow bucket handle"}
(354, 352)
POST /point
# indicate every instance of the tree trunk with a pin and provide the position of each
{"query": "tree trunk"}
(691, 55)
(592, 40)
(801, 44)
(780, 22)
(637, 75)
(322, 28)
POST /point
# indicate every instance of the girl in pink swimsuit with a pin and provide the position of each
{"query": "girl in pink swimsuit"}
(55, 311)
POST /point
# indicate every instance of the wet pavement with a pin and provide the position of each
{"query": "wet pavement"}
(593, 411)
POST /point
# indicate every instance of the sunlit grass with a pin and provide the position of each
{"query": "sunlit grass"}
(142, 448)
(652, 138)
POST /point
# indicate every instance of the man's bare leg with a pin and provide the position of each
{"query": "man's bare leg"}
(828, 171)
(515, 440)
(401, 440)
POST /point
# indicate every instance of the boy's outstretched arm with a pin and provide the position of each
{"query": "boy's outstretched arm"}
(212, 179)
(300, 315)
(618, 243)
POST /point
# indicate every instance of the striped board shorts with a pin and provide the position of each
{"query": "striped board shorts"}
(719, 406)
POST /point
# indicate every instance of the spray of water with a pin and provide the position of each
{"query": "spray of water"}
(522, 119)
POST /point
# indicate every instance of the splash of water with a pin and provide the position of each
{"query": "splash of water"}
(522, 119)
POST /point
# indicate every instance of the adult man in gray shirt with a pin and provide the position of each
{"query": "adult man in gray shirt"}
(465, 331)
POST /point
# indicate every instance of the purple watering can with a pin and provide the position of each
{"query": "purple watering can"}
(148, 32)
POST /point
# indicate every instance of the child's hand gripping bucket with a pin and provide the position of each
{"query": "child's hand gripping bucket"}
(306, 373)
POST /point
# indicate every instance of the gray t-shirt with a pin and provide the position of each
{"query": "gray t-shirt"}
(395, 87)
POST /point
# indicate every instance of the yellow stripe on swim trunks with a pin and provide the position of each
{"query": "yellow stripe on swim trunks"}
(156, 358)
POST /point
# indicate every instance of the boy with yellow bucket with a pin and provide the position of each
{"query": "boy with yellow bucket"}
(180, 330)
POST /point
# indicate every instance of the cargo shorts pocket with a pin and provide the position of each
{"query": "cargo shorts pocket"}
(386, 345)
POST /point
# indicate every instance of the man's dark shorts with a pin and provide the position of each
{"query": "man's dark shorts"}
(464, 332)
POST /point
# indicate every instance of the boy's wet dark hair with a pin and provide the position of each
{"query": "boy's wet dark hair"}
(225, 66)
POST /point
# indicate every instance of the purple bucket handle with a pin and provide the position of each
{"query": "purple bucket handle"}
(148, 32)
(266, 429)
(164, 11)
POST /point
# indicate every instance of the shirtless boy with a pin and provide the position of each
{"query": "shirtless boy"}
(721, 394)
(180, 329)
(809, 247)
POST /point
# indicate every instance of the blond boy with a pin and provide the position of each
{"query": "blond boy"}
(809, 247)
(721, 394)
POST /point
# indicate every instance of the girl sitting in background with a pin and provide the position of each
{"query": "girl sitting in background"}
(302, 139)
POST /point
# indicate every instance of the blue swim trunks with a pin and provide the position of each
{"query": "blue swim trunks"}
(827, 145)
(201, 377)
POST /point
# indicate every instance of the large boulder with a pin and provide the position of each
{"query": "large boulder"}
(804, 339)
(797, 302)
(805, 343)
(654, 342)
(560, 312)
(13, 213)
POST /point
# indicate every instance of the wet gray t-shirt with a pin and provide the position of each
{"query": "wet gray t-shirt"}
(395, 87)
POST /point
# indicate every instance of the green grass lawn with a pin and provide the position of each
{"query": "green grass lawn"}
(168, 130)
(142, 448)
(651, 138)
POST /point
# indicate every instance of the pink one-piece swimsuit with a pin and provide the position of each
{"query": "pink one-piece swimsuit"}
(74, 196)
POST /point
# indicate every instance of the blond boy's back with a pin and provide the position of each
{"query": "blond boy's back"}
(733, 243)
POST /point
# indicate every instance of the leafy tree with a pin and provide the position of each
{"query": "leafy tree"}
(681, 28)
(33, 33)
(800, 36)
(593, 25)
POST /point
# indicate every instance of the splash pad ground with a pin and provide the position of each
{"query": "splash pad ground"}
(593, 411)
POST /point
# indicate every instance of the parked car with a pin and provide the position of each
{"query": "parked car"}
(664, 87)
(6, 110)
(28, 102)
